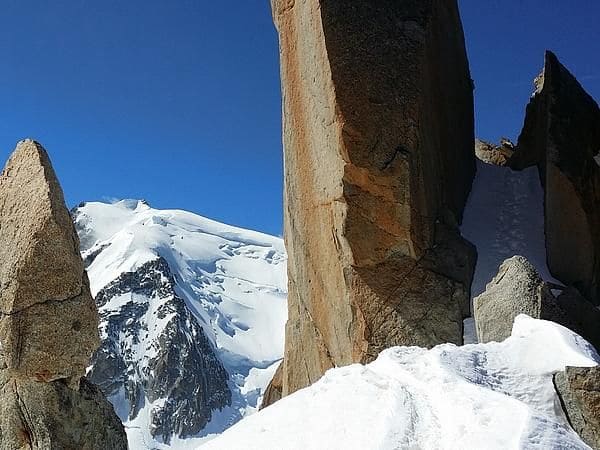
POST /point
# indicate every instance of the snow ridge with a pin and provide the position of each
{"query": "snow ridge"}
(492, 396)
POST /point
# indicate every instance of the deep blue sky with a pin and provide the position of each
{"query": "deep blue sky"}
(178, 101)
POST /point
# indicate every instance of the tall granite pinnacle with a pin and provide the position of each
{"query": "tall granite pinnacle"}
(378, 154)
(48, 319)
(561, 135)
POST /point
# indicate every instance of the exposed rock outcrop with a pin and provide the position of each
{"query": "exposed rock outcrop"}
(179, 368)
(579, 392)
(519, 289)
(48, 320)
(516, 289)
(561, 135)
(497, 155)
(275, 388)
(42, 416)
(378, 137)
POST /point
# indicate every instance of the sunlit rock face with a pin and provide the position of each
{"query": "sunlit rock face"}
(48, 319)
(379, 161)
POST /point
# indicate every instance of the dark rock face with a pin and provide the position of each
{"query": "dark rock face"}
(378, 137)
(579, 392)
(142, 362)
(561, 135)
(581, 315)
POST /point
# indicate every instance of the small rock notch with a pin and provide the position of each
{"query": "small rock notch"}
(48, 319)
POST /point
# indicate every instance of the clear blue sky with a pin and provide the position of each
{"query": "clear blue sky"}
(178, 101)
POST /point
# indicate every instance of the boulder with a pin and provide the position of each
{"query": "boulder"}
(48, 319)
(561, 135)
(378, 149)
(516, 289)
(579, 391)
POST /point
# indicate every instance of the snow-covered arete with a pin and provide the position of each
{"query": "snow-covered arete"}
(480, 396)
(170, 278)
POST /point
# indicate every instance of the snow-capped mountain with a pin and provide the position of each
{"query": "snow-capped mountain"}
(192, 316)
(479, 396)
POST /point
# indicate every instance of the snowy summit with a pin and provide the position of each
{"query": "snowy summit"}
(192, 318)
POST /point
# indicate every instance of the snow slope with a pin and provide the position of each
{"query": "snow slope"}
(504, 217)
(232, 280)
(480, 396)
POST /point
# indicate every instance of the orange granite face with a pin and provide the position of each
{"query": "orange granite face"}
(377, 162)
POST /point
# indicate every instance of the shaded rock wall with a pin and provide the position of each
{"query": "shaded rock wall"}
(378, 137)
(561, 135)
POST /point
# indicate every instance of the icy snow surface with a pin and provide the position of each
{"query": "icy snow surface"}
(504, 217)
(481, 396)
(233, 280)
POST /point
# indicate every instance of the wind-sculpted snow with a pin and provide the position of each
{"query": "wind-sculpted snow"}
(167, 280)
(480, 396)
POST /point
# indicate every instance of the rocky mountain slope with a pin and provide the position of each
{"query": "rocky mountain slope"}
(561, 136)
(192, 317)
(495, 396)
